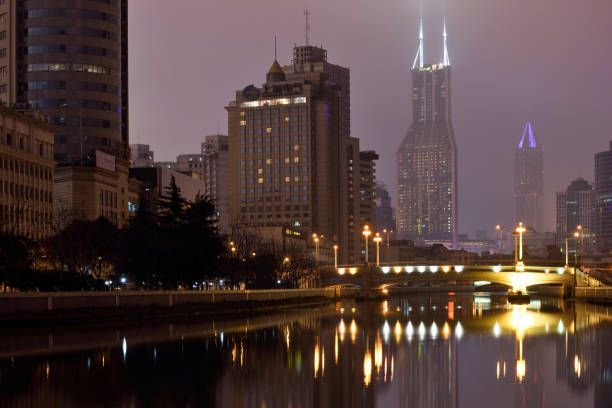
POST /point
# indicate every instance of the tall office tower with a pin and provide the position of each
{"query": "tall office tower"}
(603, 197)
(292, 160)
(68, 60)
(529, 181)
(576, 207)
(427, 157)
(212, 167)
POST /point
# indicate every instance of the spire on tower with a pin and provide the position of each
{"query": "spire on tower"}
(307, 25)
(444, 35)
(528, 136)
(419, 55)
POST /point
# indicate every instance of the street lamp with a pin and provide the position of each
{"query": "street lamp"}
(501, 237)
(576, 235)
(336, 256)
(366, 233)
(316, 241)
(520, 266)
(377, 239)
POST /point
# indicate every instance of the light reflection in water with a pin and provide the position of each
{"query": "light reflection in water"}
(513, 344)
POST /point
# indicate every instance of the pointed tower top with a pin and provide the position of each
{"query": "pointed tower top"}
(528, 132)
(419, 55)
(444, 35)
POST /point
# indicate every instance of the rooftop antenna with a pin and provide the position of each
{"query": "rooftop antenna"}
(444, 35)
(307, 25)
(419, 55)
(275, 48)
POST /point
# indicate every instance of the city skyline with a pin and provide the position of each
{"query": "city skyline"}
(505, 73)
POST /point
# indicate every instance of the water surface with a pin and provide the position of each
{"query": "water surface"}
(443, 350)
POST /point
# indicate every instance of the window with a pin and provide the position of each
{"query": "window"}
(2, 52)
(3, 35)
(3, 70)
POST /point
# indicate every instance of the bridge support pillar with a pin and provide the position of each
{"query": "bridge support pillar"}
(366, 280)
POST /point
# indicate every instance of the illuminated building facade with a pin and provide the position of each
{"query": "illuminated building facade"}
(576, 208)
(427, 157)
(603, 196)
(292, 159)
(529, 181)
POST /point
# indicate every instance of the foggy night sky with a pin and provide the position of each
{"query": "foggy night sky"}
(547, 61)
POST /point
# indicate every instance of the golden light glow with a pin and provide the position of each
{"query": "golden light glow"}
(336, 348)
(367, 368)
(520, 370)
(341, 329)
(378, 354)
(353, 331)
(577, 366)
(316, 360)
(446, 268)
(353, 271)
(397, 269)
(446, 331)
(398, 331)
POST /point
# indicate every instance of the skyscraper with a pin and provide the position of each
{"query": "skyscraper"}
(292, 160)
(69, 61)
(603, 195)
(529, 181)
(427, 157)
(576, 208)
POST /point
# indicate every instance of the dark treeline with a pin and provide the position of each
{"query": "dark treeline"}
(175, 245)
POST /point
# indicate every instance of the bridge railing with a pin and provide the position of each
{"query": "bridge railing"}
(435, 268)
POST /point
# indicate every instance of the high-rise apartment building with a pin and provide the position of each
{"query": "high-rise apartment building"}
(26, 175)
(68, 60)
(427, 156)
(576, 212)
(603, 197)
(367, 188)
(529, 181)
(292, 159)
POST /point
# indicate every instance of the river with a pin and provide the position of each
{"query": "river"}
(433, 350)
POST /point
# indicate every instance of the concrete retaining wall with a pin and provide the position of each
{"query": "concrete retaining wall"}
(594, 293)
(11, 303)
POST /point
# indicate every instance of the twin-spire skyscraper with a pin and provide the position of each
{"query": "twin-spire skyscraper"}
(427, 156)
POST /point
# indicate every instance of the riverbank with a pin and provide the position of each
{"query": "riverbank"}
(30, 308)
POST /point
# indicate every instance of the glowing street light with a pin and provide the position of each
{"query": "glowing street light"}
(377, 239)
(520, 266)
(501, 236)
(336, 256)
(316, 241)
(366, 233)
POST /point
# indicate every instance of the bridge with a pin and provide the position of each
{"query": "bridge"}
(376, 278)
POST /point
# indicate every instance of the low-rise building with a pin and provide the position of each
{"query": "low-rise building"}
(141, 155)
(26, 175)
(101, 187)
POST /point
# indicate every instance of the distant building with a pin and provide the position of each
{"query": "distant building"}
(603, 197)
(576, 208)
(383, 210)
(367, 187)
(156, 180)
(427, 157)
(26, 175)
(292, 159)
(529, 181)
(141, 155)
(211, 167)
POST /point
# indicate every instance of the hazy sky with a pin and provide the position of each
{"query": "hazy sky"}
(547, 61)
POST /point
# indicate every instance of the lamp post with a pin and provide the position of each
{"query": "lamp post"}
(316, 241)
(566, 252)
(366, 233)
(377, 239)
(336, 256)
(576, 235)
(520, 266)
(501, 237)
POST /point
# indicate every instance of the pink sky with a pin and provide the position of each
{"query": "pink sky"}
(547, 61)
